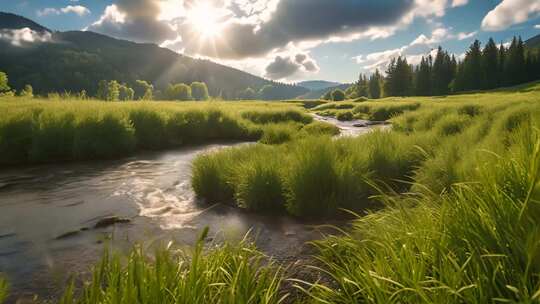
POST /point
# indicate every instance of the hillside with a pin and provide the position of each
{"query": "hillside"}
(77, 60)
(533, 42)
(315, 94)
(315, 85)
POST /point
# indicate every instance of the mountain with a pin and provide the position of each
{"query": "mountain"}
(12, 21)
(533, 42)
(316, 85)
(316, 94)
(77, 60)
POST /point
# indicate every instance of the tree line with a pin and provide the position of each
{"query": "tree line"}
(484, 68)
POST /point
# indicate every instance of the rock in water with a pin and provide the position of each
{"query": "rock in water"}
(109, 221)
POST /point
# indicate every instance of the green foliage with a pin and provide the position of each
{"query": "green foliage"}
(232, 273)
(276, 116)
(108, 90)
(199, 90)
(125, 93)
(338, 95)
(4, 85)
(64, 129)
(247, 94)
(319, 128)
(345, 116)
(275, 134)
(374, 85)
(179, 91)
(27, 92)
(4, 288)
(399, 78)
(143, 90)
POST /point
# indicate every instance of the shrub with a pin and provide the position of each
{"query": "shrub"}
(210, 178)
(4, 288)
(199, 90)
(338, 95)
(345, 116)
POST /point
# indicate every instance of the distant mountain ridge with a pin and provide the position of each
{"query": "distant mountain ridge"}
(533, 42)
(12, 21)
(315, 85)
(316, 94)
(78, 60)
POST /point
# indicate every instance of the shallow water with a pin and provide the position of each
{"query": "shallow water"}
(39, 204)
(48, 213)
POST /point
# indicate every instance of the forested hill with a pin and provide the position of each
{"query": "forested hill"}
(76, 60)
(533, 42)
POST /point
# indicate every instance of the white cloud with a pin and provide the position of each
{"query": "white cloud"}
(456, 3)
(421, 46)
(537, 26)
(510, 12)
(20, 37)
(75, 9)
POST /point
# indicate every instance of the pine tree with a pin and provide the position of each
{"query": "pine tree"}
(501, 66)
(490, 65)
(423, 77)
(514, 68)
(375, 85)
(442, 73)
(399, 78)
(472, 68)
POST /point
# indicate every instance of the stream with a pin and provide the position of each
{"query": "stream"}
(53, 217)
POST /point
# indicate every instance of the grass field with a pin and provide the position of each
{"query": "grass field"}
(37, 131)
(455, 186)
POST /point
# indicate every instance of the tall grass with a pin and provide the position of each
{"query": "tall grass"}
(34, 131)
(228, 274)
(4, 288)
(478, 243)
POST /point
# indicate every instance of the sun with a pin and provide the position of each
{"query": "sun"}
(205, 19)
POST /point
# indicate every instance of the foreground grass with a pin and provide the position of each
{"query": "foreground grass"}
(228, 274)
(34, 131)
(477, 243)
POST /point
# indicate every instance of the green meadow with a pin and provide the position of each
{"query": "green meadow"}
(43, 130)
(446, 203)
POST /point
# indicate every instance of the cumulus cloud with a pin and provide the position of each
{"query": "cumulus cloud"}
(421, 46)
(134, 20)
(288, 66)
(510, 12)
(456, 3)
(75, 9)
(537, 26)
(24, 36)
(256, 28)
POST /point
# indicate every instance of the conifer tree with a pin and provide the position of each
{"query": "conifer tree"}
(375, 85)
(490, 65)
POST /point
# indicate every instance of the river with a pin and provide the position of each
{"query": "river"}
(48, 215)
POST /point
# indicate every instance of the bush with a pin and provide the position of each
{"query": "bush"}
(4, 288)
(338, 95)
(199, 90)
(345, 116)
(210, 178)
(16, 137)
(150, 128)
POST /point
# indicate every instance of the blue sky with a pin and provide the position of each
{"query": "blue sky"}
(291, 40)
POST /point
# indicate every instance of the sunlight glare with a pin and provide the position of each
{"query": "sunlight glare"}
(205, 19)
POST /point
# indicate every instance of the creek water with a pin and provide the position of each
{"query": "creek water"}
(48, 215)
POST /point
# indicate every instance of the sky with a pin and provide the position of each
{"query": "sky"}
(294, 40)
